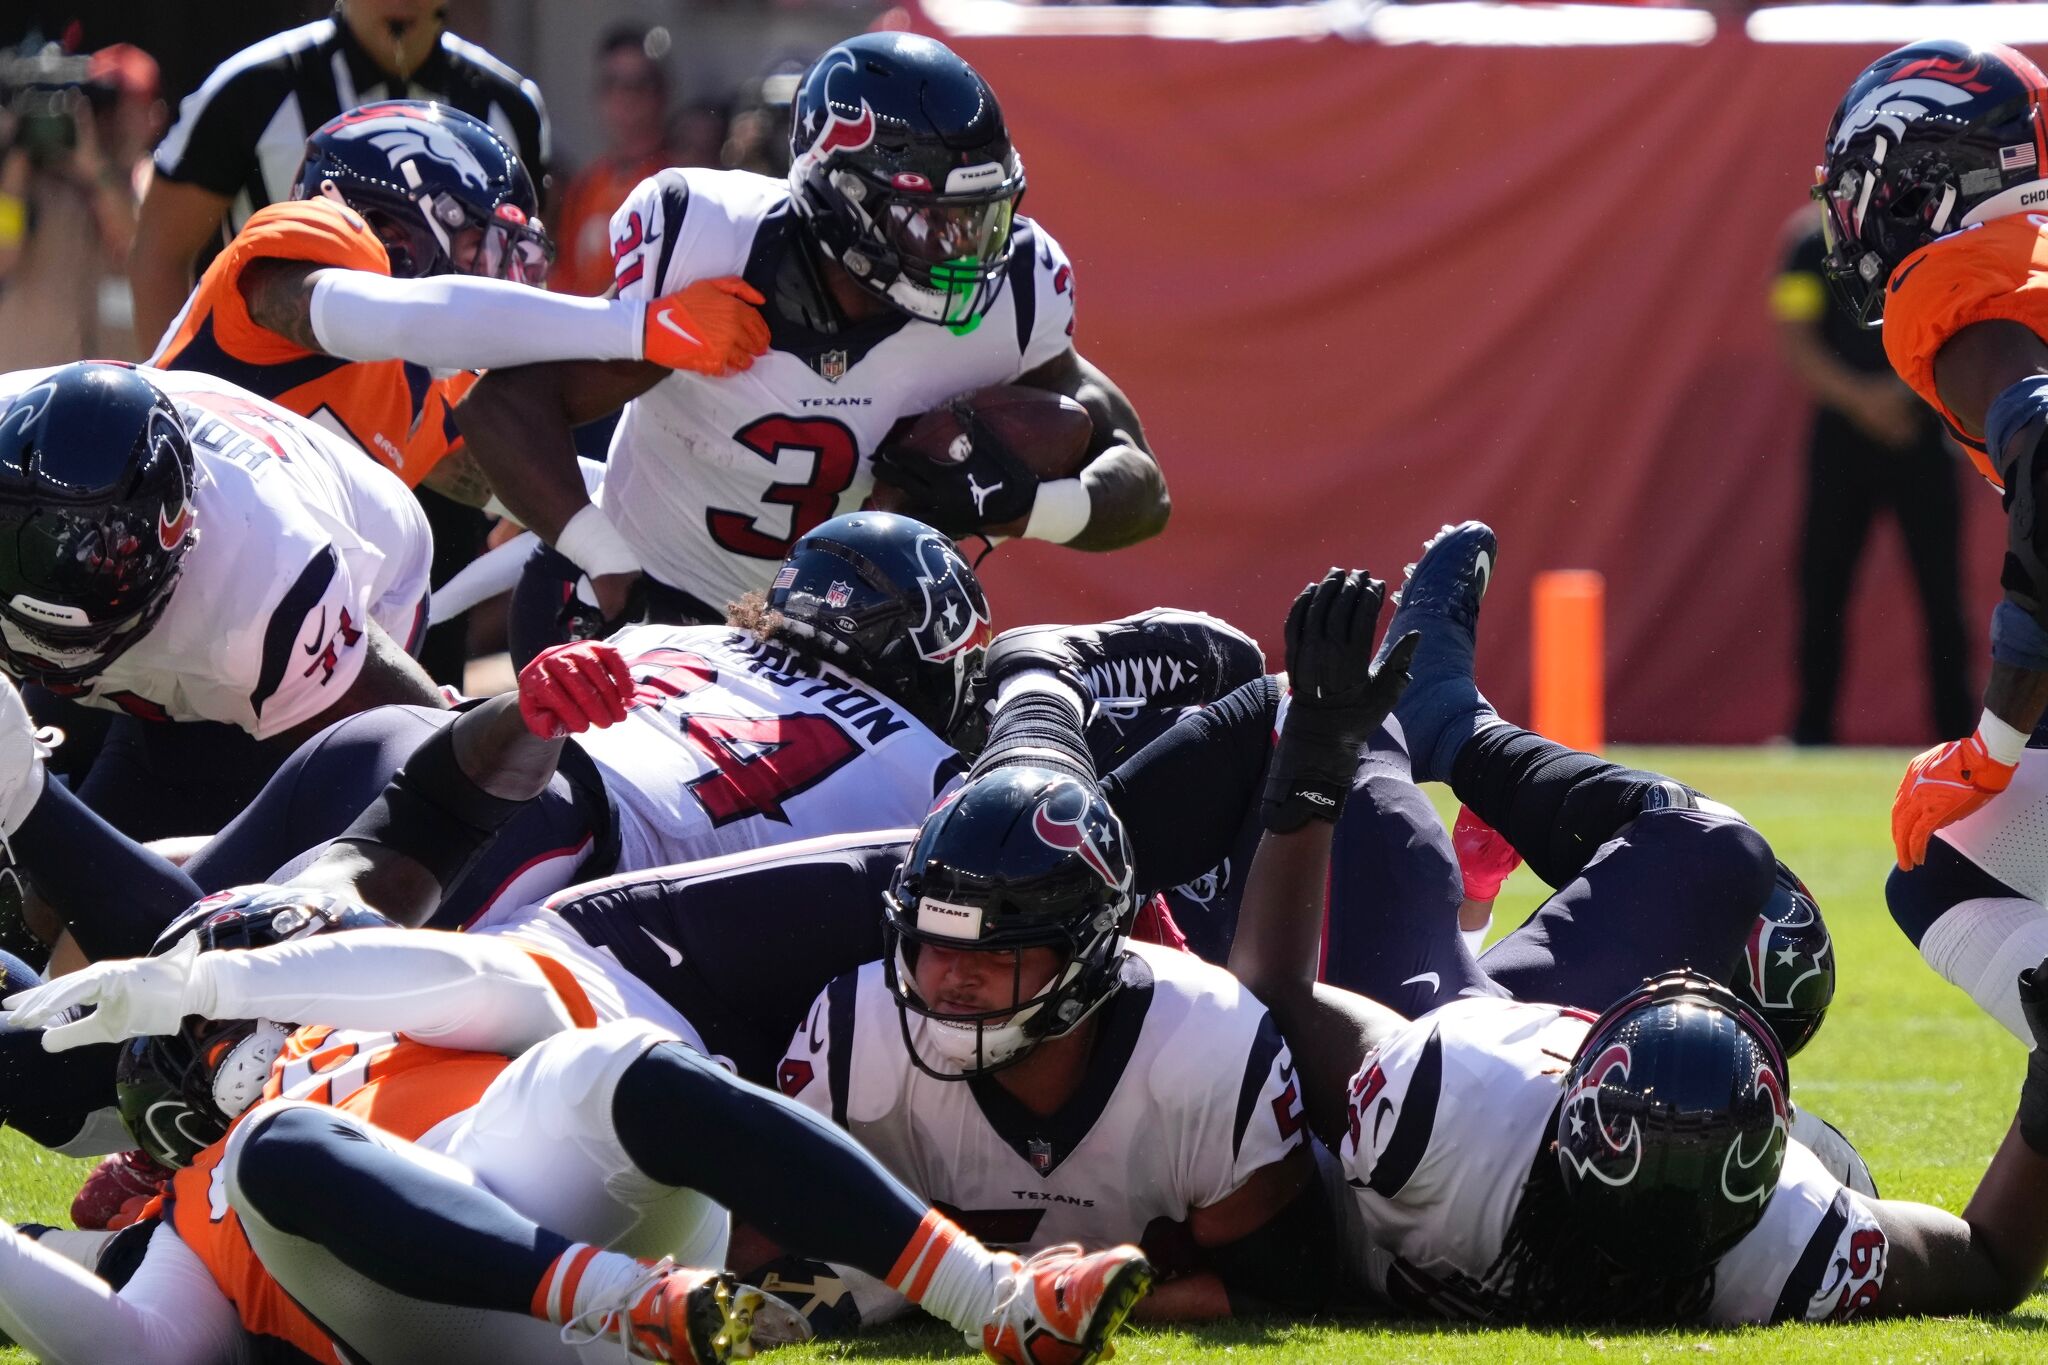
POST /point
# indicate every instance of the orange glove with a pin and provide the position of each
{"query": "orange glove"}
(714, 327)
(1940, 787)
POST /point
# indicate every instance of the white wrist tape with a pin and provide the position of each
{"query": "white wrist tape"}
(451, 322)
(595, 545)
(2001, 741)
(1060, 512)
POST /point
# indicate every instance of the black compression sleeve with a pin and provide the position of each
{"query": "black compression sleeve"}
(1185, 797)
(1038, 730)
(433, 813)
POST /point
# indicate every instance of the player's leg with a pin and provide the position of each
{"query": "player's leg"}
(1840, 502)
(155, 780)
(1925, 499)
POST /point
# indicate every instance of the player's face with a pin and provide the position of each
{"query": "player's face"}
(954, 981)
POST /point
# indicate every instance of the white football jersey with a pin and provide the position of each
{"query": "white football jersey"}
(1446, 1122)
(300, 542)
(1189, 1091)
(732, 744)
(712, 480)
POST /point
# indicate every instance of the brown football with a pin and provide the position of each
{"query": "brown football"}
(1049, 432)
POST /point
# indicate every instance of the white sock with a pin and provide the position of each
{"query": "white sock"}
(583, 1278)
(1982, 946)
(950, 1275)
(1475, 939)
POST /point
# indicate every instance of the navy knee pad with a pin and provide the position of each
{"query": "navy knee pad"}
(1919, 896)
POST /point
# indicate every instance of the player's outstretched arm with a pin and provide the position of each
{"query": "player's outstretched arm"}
(1120, 497)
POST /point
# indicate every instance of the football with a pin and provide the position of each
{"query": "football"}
(1049, 432)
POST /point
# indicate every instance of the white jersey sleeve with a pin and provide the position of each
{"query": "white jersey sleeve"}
(669, 234)
(1818, 1254)
(1048, 316)
(171, 1312)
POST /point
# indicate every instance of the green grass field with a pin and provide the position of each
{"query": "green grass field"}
(1906, 1066)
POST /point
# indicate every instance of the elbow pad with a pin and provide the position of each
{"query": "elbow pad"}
(2013, 431)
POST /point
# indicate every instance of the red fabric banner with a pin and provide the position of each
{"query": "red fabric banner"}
(1358, 290)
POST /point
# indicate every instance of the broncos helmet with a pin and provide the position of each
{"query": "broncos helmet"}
(1930, 139)
(420, 174)
(902, 166)
(892, 602)
(1019, 858)
(96, 484)
(179, 1093)
(1673, 1124)
(1788, 965)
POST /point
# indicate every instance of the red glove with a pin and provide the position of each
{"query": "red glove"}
(1940, 787)
(713, 327)
(1484, 857)
(571, 688)
(1154, 923)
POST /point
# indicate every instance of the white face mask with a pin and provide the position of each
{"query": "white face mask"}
(238, 1080)
(965, 1048)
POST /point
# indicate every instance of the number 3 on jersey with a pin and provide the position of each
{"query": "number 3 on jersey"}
(785, 442)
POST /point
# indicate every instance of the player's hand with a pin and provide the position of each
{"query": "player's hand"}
(713, 327)
(1337, 698)
(135, 997)
(1940, 787)
(989, 487)
(1485, 859)
(570, 688)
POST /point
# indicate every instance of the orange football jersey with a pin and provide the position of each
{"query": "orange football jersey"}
(1995, 271)
(397, 412)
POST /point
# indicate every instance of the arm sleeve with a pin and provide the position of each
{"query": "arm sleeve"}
(468, 992)
(169, 1313)
(449, 322)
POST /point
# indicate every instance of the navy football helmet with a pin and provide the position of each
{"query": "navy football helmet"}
(420, 174)
(1930, 139)
(96, 484)
(1019, 858)
(1788, 965)
(179, 1093)
(903, 168)
(1673, 1123)
(891, 601)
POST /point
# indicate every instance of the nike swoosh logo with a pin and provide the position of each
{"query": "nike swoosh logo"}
(1900, 278)
(668, 321)
(675, 959)
(1435, 982)
(319, 636)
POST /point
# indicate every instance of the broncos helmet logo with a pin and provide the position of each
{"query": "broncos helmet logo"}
(1074, 836)
(404, 134)
(838, 133)
(1891, 106)
(956, 615)
(1603, 1160)
(1739, 1162)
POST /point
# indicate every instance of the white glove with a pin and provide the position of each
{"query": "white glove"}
(22, 751)
(137, 997)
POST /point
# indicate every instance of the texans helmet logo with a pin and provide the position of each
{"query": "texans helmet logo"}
(956, 615)
(1762, 1172)
(1606, 1166)
(1073, 836)
(840, 133)
(1758, 952)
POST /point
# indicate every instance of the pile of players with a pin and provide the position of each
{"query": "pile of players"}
(735, 981)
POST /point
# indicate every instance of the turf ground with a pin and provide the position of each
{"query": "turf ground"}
(1906, 1066)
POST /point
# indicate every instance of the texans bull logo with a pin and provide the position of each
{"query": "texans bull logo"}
(956, 615)
(1097, 847)
(838, 133)
(1612, 1160)
(1774, 975)
(1746, 1177)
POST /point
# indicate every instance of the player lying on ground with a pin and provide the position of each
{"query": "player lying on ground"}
(1515, 1161)
(380, 1197)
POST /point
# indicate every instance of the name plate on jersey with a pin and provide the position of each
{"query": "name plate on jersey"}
(948, 920)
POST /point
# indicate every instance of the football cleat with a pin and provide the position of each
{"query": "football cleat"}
(1062, 1306)
(1442, 707)
(117, 1191)
(693, 1317)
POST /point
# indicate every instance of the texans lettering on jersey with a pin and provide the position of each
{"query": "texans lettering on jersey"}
(730, 744)
(1995, 271)
(1446, 1122)
(1189, 1091)
(301, 544)
(712, 480)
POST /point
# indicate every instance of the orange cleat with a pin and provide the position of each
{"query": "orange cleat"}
(690, 1317)
(1062, 1306)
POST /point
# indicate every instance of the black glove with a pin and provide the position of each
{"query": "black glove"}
(989, 487)
(1338, 699)
(580, 619)
(2033, 1115)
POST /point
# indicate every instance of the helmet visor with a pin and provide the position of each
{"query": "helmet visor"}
(515, 251)
(938, 234)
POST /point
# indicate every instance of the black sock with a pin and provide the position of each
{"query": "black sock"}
(390, 1220)
(112, 893)
(1555, 804)
(687, 1122)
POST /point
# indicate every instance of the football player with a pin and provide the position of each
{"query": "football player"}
(179, 550)
(897, 276)
(1515, 1161)
(409, 232)
(1932, 169)
(468, 1085)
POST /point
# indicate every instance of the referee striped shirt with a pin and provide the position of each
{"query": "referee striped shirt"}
(243, 133)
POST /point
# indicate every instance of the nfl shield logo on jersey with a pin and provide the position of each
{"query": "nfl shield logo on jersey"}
(832, 366)
(1041, 1155)
(838, 595)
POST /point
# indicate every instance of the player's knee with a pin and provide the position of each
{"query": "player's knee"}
(279, 1156)
(1727, 859)
(1919, 896)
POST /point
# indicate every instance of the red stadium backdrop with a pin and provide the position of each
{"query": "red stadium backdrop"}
(1359, 290)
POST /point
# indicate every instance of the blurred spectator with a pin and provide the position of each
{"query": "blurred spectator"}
(1873, 445)
(758, 139)
(74, 144)
(632, 104)
(239, 138)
